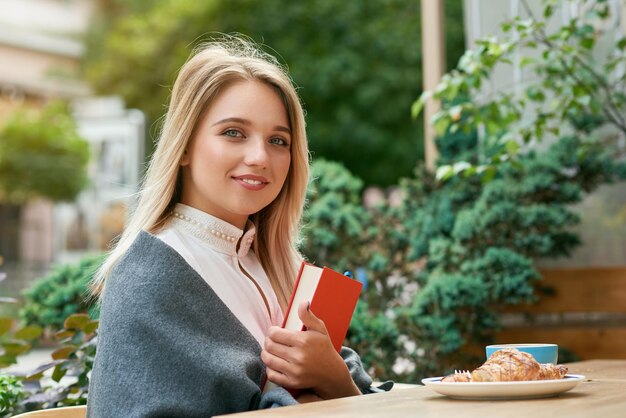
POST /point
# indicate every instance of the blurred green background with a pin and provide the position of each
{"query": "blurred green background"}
(358, 65)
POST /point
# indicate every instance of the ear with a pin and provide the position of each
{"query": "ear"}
(185, 159)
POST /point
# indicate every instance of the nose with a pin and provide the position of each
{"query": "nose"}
(257, 153)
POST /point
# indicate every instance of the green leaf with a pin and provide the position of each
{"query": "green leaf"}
(76, 321)
(92, 326)
(15, 347)
(59, 372)
(42, 368)
(470, 171)
(488, 174)
(547, 11)
(535, 94)
(512, 147)
(7, 360)
(418, 105)
(6, 324)
(587, 43)
(63, 334)
(63, 352)
(29, 332)
(444, 172)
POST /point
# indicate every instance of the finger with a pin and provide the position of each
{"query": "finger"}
(307, 397)
(276, 377)
(284, 336)
(308, 318)
(291, 377)
(277, 349)
(274, 362)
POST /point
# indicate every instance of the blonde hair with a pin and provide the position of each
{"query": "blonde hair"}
(211, 68)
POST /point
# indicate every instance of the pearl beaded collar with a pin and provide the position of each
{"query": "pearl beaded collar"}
(216, 232)
(212, 231)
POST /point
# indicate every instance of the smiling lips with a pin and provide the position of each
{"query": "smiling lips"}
(252, 182)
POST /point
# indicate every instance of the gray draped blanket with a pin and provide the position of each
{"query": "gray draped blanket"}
(169, 347)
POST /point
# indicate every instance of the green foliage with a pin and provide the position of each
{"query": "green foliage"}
(11, 392)
(74, 358)
(15, 340)
(371, 334)
(447, 259)
(571, 84)
(358, 65)
(503, 204)
(443, 262)
(42, 155)
(334, 217)
(50, 300)
(128, 58)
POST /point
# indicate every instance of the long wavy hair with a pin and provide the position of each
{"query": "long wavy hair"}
(211, 68)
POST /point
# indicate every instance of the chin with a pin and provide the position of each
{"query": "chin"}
(249, 211)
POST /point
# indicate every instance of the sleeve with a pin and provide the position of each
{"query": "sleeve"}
(276, 398)
(359, 375)
(167, 347)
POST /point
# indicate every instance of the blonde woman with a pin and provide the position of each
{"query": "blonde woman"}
(194, 293)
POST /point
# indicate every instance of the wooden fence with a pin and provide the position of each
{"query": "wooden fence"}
(582, 310)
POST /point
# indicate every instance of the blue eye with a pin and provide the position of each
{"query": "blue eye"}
(232, 132)
(279, 141)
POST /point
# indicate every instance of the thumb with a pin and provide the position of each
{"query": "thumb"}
(309, 320)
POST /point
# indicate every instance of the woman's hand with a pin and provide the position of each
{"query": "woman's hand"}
(299, 360)
(308, 397)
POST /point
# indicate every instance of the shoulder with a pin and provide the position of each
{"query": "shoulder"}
(151, 270)
(149, 254)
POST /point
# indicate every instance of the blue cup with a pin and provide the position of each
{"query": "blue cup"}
(543, 353)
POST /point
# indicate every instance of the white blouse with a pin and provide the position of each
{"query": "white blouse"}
(209, 245)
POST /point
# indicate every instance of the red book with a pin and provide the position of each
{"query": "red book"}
(333, 298)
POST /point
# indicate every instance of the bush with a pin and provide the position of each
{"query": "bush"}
(42, 155)
(461, 244)
(334, 217)
(446, 261)
(11, 392)
(74, 358)
(50, 300)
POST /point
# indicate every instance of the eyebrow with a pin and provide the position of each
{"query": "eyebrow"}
(248, 123)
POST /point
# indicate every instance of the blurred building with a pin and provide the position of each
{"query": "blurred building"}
(40, 51)
(41, 46)
(116, 136)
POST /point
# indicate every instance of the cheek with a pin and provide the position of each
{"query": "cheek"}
(284, 168)
(211, 157)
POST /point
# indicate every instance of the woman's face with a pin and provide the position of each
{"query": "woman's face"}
(238, 160)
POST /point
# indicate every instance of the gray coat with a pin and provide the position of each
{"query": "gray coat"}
(169, 347)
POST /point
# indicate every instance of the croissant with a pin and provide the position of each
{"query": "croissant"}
(510, 365)
(552, 372)
(457, 377)
(507, 365)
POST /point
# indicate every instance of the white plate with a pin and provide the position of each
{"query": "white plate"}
(503, 390)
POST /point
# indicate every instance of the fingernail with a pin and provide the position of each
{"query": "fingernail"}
(308, 306)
